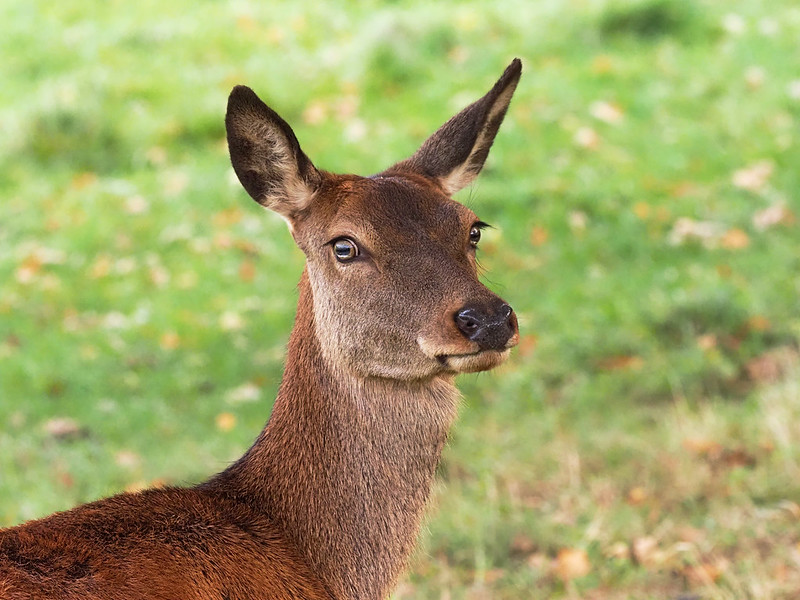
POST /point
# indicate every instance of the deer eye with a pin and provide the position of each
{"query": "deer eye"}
(475, 233)
(344, 249)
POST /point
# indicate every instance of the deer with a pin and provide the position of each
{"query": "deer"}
(328, 501)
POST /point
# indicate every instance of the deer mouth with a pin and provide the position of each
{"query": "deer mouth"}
(472, 362)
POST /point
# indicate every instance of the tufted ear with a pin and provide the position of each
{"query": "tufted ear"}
(455, 154)
(266, 156)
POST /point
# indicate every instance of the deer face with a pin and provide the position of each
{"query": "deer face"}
(391, 259)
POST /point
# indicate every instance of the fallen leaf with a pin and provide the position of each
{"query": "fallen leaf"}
(572, 563)
(621, 362)
(692, 535)
(641, 210)
(705, 573)
(522, 545)
(701, 446)
(754, 177)
(777, 214)
(539, 235)
(578, 220)
(225, 421)
(247, 392)
(127, 459)
(315, 113)
(646, 552)
(707, 341)
(735, 239)
(136, 205)
(758, 323)
(619, 550)
(247, 270)
(170, 340)
(637, 495)
(586, 137)
(230, 321)
(65, 428)
(606, 112)
(527, 344)
(101, 267)
(685, 230)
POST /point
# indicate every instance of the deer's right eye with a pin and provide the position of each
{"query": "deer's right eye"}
(344, 249)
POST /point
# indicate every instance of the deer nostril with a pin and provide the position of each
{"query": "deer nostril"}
(468, 322)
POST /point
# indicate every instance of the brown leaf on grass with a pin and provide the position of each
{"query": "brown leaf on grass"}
(690, 534)
(606, 112)
(247, 270)
(522, 545)
(586, 137)
(315, 113)
(637, 496)
(758, 323)
(170, 340)
(65, 429)
(621, 362)
(493, 575)
(527, 344)
(705, 573)
(136, 205)
(735, 239)
(83, 180)
(718, 456)
(753, 177)
(641, 210)
(645, 551)
(538, 561)
(772, 365)
(539, 235)
(707, 341)
(618, 550)
(225, 421)
(777, 214)
(127, 459)
(101, 267)
(29, 268)
(687, 230)
(572, 563)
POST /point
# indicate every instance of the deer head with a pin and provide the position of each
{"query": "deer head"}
(390, 258)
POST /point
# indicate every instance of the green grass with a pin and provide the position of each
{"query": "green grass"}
(649, 420)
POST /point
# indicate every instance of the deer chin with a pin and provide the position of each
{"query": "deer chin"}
(473, 362)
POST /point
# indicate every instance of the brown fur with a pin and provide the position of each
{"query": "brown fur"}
(328, 501)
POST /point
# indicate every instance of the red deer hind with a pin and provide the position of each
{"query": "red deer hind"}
(328, 501)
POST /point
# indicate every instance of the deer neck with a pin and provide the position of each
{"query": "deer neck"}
(346, 464)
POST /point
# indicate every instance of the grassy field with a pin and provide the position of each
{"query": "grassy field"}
(644, 440)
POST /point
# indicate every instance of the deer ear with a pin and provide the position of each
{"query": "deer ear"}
(455, 154)
(266, 156)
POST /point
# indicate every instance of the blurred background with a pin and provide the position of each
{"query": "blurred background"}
(643, 441)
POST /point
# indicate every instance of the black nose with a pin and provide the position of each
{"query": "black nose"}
(490, 329)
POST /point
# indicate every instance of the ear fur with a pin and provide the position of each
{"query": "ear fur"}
(266, 156)
(455, 154)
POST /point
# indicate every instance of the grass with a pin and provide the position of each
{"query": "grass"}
(642, 442)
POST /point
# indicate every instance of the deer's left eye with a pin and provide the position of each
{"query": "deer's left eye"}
(344, 249)
(474, 237)
(475, 233)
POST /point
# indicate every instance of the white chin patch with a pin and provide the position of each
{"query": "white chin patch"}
(472, 363)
